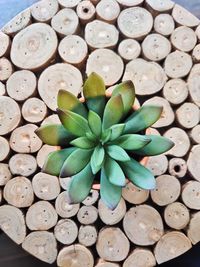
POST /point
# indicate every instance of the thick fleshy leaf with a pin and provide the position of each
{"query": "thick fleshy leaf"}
(106, 134)
(91, 136)
(80, 185)
(142, 119)
(127, 92)
(55, 161)
(110, 194)
(54, 135)
(116, 131)
(94, 122)
(114, 172)
(97, 159)
(94, 93)
(113, 112)
(157, 146)
(138, 174)
(76, 162)
(74, 123)
(117, 153)
(133, 141)
(83, 142)
(68, 101)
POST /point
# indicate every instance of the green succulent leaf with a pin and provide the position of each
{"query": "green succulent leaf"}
(94, 93)
(54, 135)
(116, 131)
(92, 137)
(157, 146)
(142, 119)
(55, 161)
(110, 194)
(83, 142)
(113, 112)
(114, 172)
(68, 101)
(74, 123)
(117, 153)
(76, 162)
(138, 174)
(127, 92)
(97, 159)
(80, 185)
(133, 141)
(95, 123)
(106, 134)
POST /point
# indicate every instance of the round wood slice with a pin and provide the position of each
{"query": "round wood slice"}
(43, 154)
(85, 11)
(5, 148)
(195, 134)
(66, 231)
(5, 174)
(158, 164)
(184, 17)
(196, 54)
(6, 69)
(129, 3)
(143, 225)
(177, 167)
(87, 215)
(164, 24)
(91, 198)
(193, 162)
(193, 228)
(140, 257)
(34, 110)
(160, 5)
(134, 194)
(4, 44)
(64, 183)
(102, 263)
(2, 89)
(108, 10)
(87, 235)
(129, 49)
(22, 164)
(190, 195)
(188, 115)
(193, 84)
(69, 3)
(52, 119)
(44, 10)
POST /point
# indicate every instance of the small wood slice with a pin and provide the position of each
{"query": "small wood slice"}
(177, 167)
(18, 192)
(193, 162)
(75, 253)
(108, 10)
(5, 148)
(181, 141)
(129, 49)
(56, 77)
(2, 89)
(45, 186)
(52, 119)
(190, 195)
(64, 183)
(196, 54)
(4, 44)
(195, 134)
(12, 223)
(44, 10)
(134, 194)
(6, 69)
(148, 77)
(65, 22)
(69, 3)
(44, 152)
(112, 244)
(41, 216)
(42, 245)
(158, 164)
(92, 198)
(188, 115)
(143, 225)
(87, 215)
(193, 228)
(160, 5)
(164, 24)
(5, 174)
(129, 3)
(170, 246)
(177, 216)
(87, 235)
(102, 263)
(184, 17)
(107, 64)
(66, 231)
(135, 22)
(140, 257)
(193, 84)
(34, 110)
(22, 164)
(85, 11)
(34, 47)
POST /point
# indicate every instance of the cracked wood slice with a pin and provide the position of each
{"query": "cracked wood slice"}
(167, 190)
(178, 64)
(177, 167)
(59, 76)
(108, 10)
(41, 216)
(135, 22)
(176, 215)
(66, 231)
(193, 228)
(112, 217)
(184, 17)
(175, 91)
(34, 47)
(129, 49)
(21, 85)
(12, 223)
(164, 24)
(44, 10)
(10, 115)
(75, 253)
(193, 162)
(102, 263)
(87, 215)
(18, 192)
(92, 198)
(5, 174)
(181, 141)
(107, 64)
(34, 110)
(188, 115)
(22, 164)
(43, 154)
(190, 195)
(6, 69)
(65, 22)
(129, 3)
(195, 134)
(25, 140)
(170, 246)
(69, 3)
(45, 186)
(87, 235)
(140, 257)
(134, 194)
(112, 244)
(73, 50)
(143, 225)
(156, 47)
(196, 54)
(158, 164)
(194, 83)
(100, 34)
(42, 245)
(85, 11)
(2, 89)
(160, 6)
(4, 44)
(64, 208)
(5, 148)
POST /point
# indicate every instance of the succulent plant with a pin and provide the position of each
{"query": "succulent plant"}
(100, 139)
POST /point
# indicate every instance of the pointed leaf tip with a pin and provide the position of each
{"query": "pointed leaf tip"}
(97, 159)
(94, 123)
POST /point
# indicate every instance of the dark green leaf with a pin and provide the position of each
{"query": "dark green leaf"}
(82, 142)
(133, 141)
(95, 123)
(106, 134)
(97, 159)
(117, 153)
(91, 136)
(116, 131)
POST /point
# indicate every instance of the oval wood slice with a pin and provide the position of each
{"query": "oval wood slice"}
(108, 10)
(184, 17)
(160, 5)
(164, 24)
(87, 215)
(6, 69)
(91, 198)
(87, 235)
(52, 119)
(34, 110)
(129, 3)
(66, 231)
(5, 148)
(190, 195)
(193, 82)
(196, 54)
(177, 167)
(134, 194)
(69, 3)
(43, 154)
(140, 257)
(188, 115)
(102, 263)
(22, 164)
(129, 49)
(44, 10)
(193, 228)
(158, 165)
(4, 44)
(193, 162)
(2, 89)
(5, 174)
(195, 134)
(86, 11)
